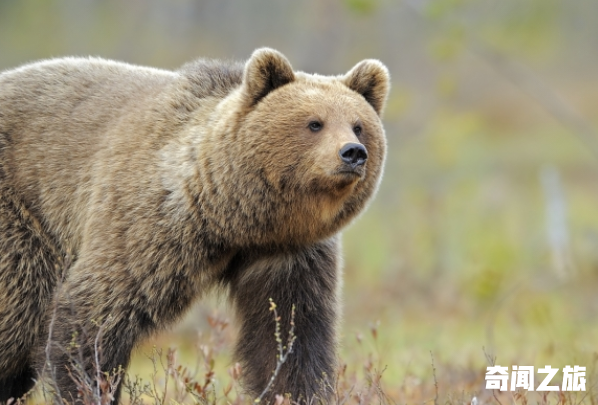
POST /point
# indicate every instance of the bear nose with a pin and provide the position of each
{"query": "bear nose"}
(354, 154)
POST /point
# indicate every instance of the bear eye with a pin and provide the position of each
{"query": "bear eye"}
(357, 130)
(315, 126)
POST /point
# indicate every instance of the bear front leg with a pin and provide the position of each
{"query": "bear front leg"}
(91, 339)
(307, 279)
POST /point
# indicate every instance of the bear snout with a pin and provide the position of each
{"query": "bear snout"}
(353, 154)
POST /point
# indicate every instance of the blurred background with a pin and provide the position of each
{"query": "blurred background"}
(482, 244)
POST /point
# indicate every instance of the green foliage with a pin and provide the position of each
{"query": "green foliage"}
(531, 27)
(362, 7)
(441, 9)
(449, 46)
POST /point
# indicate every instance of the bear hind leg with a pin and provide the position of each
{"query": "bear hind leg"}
(18, 385)
(29, 271)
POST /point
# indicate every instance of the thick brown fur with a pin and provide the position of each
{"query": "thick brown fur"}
(158, 186)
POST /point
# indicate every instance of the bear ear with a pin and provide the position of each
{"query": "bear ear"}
(265, 71)
(370, 78)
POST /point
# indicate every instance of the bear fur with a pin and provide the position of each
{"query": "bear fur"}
(126, 193)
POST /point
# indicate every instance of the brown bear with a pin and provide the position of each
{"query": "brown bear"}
(128, 192)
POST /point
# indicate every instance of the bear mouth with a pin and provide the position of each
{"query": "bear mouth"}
(347, 177)
(350, 172)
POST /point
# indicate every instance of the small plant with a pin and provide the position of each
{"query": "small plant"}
(283, 350)
(207, 382)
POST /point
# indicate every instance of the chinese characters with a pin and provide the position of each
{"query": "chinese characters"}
(497, 378)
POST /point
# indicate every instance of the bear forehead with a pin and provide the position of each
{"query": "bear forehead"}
(323, 96)
(321, 85)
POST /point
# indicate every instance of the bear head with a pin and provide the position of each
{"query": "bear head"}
(304, 152)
